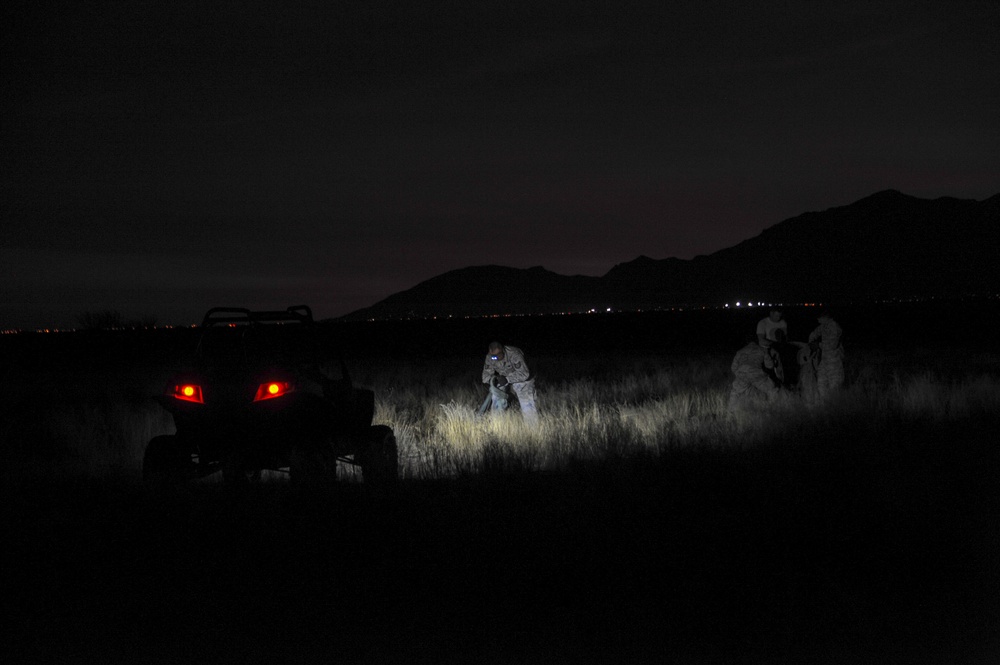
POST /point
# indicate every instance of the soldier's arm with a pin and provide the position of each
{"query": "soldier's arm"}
(738, 362)
(521, 372)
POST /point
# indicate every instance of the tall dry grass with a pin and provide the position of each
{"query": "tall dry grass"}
(655, 406)
(599, 409)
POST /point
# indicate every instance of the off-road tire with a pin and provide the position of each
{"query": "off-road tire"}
(380, 457)
(166, 464)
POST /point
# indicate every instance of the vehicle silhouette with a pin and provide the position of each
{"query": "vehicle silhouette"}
(258, 396)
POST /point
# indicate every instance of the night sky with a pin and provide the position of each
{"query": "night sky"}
(160, 158)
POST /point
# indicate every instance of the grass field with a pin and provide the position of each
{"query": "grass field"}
(641, 521)
(95, 425)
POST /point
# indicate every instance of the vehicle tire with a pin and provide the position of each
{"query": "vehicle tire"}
(380, 457)
(166, 463)
(312, 464)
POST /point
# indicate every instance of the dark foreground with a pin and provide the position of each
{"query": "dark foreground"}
(859, 552)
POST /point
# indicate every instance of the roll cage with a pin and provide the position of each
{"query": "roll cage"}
(241, 315)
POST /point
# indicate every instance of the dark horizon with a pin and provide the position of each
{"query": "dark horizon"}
(710, 268)
(159, 161)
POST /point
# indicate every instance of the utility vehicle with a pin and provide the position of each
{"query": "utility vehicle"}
(263, 392)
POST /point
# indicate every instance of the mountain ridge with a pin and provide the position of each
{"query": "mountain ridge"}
(883, 246)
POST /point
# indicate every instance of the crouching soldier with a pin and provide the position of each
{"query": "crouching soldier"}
(752, 384)
(505, 367)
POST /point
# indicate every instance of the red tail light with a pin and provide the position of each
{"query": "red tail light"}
(272, 389)
(188, 392)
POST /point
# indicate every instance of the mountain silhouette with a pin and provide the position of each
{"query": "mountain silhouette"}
(885, 246)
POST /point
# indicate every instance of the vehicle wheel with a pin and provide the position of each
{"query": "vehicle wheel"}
(166, 464)
(380, 457)
(312, 464)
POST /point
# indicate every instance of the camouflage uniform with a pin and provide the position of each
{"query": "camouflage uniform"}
(752, 383)
(513, 368)
(830, 373)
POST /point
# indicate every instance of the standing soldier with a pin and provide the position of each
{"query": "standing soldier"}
(768, 327)
(772, 331)
(507, 365)
(830, 372)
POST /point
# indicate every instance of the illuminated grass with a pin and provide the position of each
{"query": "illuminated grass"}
(587, 414)
(599, 419)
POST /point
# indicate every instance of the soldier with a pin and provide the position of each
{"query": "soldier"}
(772, 330)
(752, 384)
(768, 327)
(830, 371)
(506, 364)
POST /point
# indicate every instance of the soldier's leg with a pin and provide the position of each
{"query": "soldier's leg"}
(525, 392)
(736, 394)
(825, 378)
(836, 374)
